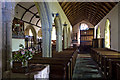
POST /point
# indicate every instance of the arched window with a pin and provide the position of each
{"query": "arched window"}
(53, 33)
(84, 26)
(98, 32)
(107, 34)
(30, 32)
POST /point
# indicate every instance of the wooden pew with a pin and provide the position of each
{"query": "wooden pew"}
(106, 64)
(102, 57)
(67, 53)
(61, 64)
(112, 74)
(118, 71)
(68, 56)
(57, 60)
(58, 68)
(100, 53)
(70, 52)
(95, 53)
(104, 54)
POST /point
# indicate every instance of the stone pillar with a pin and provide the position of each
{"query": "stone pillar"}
(6, 35)
(0, 40)
(69, 37)
(65, 36)
(46, 22)
(58, 26)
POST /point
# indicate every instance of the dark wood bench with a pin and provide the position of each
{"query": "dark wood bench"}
(95, 53)
(105, 62)
(62, 62)
(57, 67)
(99, 53)
(112, 73)
(102, 57)
(118, 71)
(105, 54)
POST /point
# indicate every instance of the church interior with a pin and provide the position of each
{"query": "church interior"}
(59, 40)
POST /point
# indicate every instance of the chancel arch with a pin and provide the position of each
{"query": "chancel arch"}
(30, 31)
(107, 33)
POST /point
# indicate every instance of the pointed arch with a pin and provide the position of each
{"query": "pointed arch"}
(30, 27)
(98, 32)
(53, 33)
(107, 33)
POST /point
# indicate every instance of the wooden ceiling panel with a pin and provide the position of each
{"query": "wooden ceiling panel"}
(89, 11)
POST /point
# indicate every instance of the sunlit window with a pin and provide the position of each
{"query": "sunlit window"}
(84, 26)
(98, 32)
(107, 34)
(30, 32)
(53, 33)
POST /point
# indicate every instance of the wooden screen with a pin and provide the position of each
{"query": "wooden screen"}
(86, 36)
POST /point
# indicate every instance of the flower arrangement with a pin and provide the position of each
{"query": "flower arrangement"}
(23, 54)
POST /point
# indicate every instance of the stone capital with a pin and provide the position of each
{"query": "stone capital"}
(57, 14)
(65, 25)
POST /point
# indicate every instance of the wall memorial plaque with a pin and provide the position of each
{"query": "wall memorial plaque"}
(17, 29)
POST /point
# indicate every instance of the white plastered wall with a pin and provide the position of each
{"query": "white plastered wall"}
(113, 17)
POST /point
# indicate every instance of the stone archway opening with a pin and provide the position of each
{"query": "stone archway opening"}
(30, 31)
(53, 37)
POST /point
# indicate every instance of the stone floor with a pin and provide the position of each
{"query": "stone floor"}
(86, 68)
